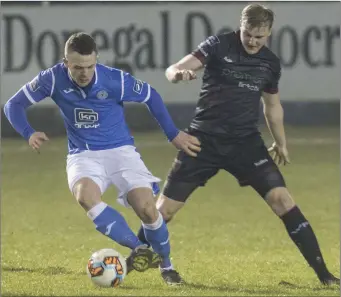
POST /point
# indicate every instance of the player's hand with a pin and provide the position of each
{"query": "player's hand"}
(280, 154)
(187, 143)
(184, 75)
(36, 140)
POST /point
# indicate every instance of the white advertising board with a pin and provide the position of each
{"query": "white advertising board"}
(146, 38)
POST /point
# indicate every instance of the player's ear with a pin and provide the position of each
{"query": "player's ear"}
(65, 62)
(270, 30)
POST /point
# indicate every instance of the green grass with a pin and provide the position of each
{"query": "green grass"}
(225, 242)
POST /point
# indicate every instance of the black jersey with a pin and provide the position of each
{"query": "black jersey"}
(233, 82)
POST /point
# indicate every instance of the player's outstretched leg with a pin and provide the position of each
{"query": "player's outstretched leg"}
(169, 274)
(301, 233)
(158, 237)
(111, 223)
(169, 206)
(155, 231)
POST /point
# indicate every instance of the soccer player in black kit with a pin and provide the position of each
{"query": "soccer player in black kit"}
(239, 70)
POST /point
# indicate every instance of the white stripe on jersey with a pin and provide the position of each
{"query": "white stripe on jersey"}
(96, 74)
(148, 95)
(28, 95)
(122, 85)
(53, 82)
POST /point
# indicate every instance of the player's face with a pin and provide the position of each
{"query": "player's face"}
(81, 67)
(253, 39)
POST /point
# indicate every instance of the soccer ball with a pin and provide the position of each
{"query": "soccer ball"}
(107, 268)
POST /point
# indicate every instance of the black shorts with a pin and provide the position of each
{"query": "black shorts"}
(247, 160)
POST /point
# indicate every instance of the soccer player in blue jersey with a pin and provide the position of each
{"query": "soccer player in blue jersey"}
(101, 153)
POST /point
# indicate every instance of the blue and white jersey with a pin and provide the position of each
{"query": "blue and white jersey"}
(94, 115)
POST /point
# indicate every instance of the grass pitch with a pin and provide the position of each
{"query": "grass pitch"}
(225, 242)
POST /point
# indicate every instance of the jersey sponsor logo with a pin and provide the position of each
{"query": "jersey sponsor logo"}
(242, 75)
(248, 86)
(34, 84)
(86, 118)
(138, 86)
(102, 95)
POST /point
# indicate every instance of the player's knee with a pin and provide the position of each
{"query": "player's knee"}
(143, 202)
(167, 216)
(279, 200)
(148, 212)
(87, 193)
(168, 207)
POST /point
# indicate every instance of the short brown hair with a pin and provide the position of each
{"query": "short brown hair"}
(257, 15)
(81, 43)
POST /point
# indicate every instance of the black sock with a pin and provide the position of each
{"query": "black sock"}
(303, 236)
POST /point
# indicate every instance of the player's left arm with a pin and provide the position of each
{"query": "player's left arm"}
(134, 90)
(274, 116)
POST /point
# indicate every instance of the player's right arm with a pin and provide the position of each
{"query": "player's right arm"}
(187, 67)
(41, 87)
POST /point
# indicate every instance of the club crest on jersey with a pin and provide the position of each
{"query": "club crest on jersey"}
(138, 86)
(34, 85)
(102, 95)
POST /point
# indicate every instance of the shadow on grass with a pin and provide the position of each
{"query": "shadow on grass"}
(258, 290)
(46, 270)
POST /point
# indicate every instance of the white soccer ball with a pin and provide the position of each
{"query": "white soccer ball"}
(107, 268)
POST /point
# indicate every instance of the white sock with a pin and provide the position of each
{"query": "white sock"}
(156, 225)
(94, 212)
(166, 268)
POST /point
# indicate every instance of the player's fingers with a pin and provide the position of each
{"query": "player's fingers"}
(178, 75)
(188, 75)
(35, 142)
(280, 160)
(184, 75)
(194, 148)
(191, 143)
(38, 142)
(193, 75)
(287, 160)
(276, 158)
(35, 147)
(189, 152)
(44, 137)
(194, 140)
